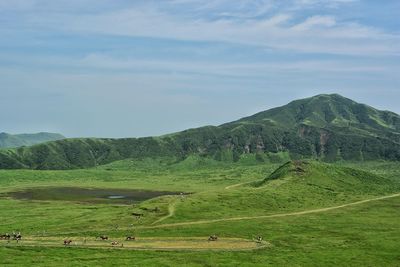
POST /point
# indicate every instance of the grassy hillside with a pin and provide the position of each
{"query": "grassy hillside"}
(17, 140)
(295, 185)
(333, 178)
(229, 200)
(327, 127)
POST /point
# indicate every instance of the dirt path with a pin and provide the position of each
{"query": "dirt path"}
(171, 212)
(237, 185)
(147, 243)
(272, 215)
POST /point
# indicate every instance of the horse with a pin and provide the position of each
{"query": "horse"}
(213, 238)
(130, 238)
(5, 237)
(67, 242)
(137, 215)
(103, 237)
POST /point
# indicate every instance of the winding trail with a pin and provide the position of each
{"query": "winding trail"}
(237, 185)
(171, 206)
(171, 212)
(271, 215)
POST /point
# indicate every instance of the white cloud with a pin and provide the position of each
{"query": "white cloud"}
(230, 69)
(280, 29)
(93, 63)
(323, 3)
(319, 34)
(315, 21)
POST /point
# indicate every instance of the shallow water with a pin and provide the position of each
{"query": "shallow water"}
(89, 195)
(116, 197)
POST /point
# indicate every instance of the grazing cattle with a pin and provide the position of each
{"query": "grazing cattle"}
(5, 237)
(213, 238)
(259, 238)
(67, 242)
(130, 238)
(114, 243)
(103, 237)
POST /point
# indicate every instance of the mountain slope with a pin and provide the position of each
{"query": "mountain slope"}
(329, 127)
(17, 140)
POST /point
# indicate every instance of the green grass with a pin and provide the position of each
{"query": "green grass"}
(363, 235)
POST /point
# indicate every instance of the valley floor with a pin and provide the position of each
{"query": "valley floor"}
(349, 228)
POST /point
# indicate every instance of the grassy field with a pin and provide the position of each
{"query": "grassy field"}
(237, 202)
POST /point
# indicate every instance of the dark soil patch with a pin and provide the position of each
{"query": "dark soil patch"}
(88, 195)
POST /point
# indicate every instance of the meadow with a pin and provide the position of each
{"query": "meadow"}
(235, 201)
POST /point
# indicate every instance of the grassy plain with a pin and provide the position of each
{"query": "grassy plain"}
(367, 234)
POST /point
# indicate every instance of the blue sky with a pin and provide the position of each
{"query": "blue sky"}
(119, 68)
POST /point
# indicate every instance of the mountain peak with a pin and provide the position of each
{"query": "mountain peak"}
(326, 96)
(325, 111)
(331, 97)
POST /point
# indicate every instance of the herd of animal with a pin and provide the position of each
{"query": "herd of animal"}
(67, 242)
(128, 238)
(13, 236)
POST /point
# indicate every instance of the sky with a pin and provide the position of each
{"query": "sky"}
(119, 68)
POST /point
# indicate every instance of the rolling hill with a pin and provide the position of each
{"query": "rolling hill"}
(330, 178)
(327, 127)
(298, 184)
(17, 140)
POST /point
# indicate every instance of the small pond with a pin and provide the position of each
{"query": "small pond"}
(88, 195)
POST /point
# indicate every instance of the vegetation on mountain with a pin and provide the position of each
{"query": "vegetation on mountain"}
(326, 127)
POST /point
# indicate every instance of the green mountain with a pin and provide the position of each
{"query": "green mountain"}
(328, 127)
(17, 140)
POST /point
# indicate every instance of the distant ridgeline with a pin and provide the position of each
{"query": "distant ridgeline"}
(328, 127)
(17, 140)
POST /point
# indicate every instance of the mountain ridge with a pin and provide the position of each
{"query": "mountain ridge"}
(25, 139)
(327, 127)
